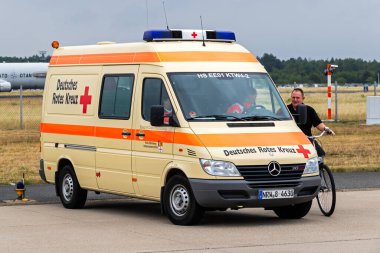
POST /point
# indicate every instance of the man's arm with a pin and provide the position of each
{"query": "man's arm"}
(322, 127)
(317, 123)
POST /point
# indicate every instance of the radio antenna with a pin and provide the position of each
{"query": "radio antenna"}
(167, 25)
(203, 37)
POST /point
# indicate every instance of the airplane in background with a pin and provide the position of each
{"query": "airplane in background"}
(29, 75)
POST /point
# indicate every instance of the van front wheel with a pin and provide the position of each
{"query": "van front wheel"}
(179, 202)
(71, 194)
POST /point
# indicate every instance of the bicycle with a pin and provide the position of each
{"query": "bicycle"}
(327, 193)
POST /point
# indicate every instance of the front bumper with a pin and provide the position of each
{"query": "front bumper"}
(237, 193)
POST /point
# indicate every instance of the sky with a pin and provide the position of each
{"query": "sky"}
(312, 29)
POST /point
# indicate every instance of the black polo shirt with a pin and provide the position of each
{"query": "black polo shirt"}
(312, 119)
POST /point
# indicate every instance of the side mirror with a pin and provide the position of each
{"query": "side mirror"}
(157, 115)
(302, 114)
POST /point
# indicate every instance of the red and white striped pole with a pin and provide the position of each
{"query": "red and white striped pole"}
(329, 71)
(329, 91)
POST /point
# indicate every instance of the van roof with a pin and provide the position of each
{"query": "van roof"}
(157, 53)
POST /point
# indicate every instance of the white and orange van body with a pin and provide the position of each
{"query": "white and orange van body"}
(224, 161)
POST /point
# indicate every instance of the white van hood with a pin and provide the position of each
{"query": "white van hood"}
(254, 143)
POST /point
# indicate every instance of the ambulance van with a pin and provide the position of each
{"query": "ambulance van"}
(187, 118)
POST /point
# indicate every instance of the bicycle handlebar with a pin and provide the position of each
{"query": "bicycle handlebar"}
(317, 136)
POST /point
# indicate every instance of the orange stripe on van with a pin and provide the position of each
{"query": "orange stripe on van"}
(103, 132)
(104, 58)
(206, 56)
(253, 139)
(110, 132)
(138, 57)
(208, 140)
(151, 135)
(187, 139)
(67, 129)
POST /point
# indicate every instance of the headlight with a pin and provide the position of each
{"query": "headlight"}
(219, 168)
(312, 166)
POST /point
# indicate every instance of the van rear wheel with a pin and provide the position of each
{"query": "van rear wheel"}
(71, 194)
(293, 212)
(179, 202)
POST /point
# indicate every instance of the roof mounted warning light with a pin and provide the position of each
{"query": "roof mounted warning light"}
(55, 44)
(189, 35)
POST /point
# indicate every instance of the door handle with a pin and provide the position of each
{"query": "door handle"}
(125, 133)
(140, 134)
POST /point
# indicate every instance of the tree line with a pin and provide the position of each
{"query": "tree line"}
(305, 71)
(33, 58)
(294, 70)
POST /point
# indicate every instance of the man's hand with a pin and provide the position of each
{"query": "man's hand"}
(329, 131)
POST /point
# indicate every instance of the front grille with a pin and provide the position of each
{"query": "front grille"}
(257, 176)
(275, 184)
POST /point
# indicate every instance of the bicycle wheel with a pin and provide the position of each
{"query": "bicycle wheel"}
(327, 195)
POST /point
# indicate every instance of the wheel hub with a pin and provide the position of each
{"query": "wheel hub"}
(68, 187)
(179, 200)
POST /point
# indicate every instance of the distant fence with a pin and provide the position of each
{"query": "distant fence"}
(13, 116)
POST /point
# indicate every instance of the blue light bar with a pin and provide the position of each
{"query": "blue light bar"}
(157, 35)
(225, 35)
(189, 35)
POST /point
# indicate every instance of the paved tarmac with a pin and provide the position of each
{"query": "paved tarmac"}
(45, 193)
(130, 225)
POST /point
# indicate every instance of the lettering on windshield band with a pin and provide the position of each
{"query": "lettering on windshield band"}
(244, 151)
(239, 151)
(222, 75)
(277, 149)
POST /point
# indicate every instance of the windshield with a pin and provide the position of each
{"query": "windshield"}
(228, 96)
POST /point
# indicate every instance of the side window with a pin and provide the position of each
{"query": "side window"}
(116, 97)
(154, 93)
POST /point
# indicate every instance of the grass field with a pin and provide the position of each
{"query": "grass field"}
(356, 147)
(10, 113)
(20, 153)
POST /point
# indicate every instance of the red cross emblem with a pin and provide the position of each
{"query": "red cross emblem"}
(194, 35)
(304, 151)
(85, 99)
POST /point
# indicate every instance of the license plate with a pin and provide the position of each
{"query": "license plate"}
(276, 194)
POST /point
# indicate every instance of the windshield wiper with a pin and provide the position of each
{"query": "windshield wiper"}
(218, 117)
(257, 117)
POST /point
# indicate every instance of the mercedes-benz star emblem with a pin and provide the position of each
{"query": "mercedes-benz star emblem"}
(274, 168)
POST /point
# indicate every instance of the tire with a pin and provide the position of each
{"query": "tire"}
(293, 212)
(179, 202)
(71, 194)
(327, 195)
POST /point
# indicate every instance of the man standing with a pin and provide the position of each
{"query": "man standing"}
(312, 117)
